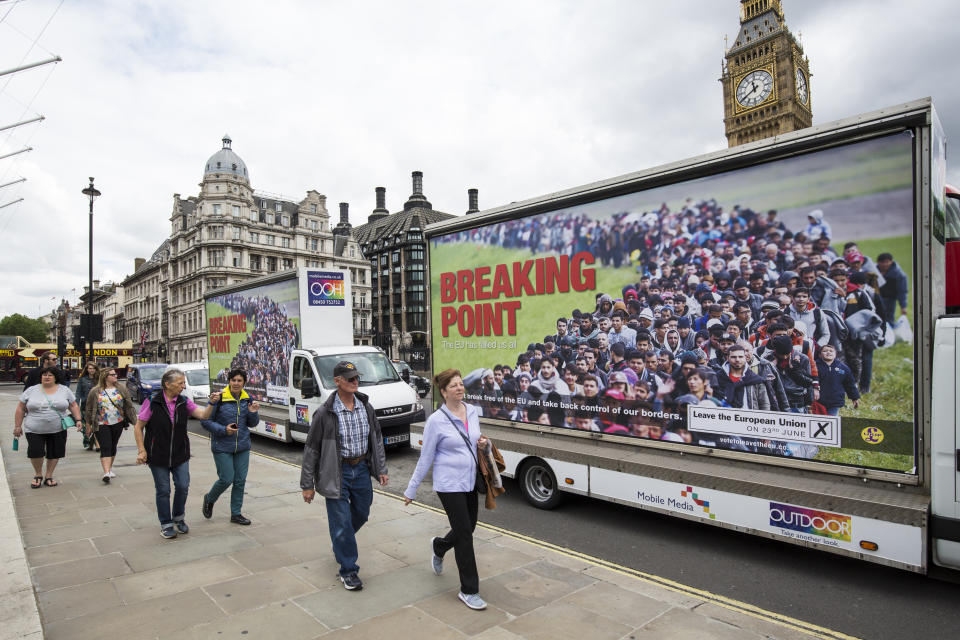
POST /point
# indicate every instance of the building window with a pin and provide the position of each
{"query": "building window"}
(215, 233)
(313, 244)
(216, 209)
(237, 259)
(353, 252)
(313, 263)
(285, 243)
(279, 206)
(287, 263)
(254, 238)
(313, 209)
(215, 258)
(236, 233)
(313, 226)
(236, 211)
(263, 204)
(269, 217)
(271, 264)
(285, 220)
(270, 240)
(254, 263)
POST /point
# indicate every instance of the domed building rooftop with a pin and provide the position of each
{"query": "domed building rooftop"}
(226, 161)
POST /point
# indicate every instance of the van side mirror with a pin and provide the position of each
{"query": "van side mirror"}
(308, 388)
(405, 374)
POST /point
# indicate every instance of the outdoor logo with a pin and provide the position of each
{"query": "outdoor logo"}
(811, 521)
(703, 504)
(303, 414)
(325, 289)
(872, 435)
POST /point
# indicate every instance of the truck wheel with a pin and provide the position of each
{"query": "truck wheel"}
(539, 484)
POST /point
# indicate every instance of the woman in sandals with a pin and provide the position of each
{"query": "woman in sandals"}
(109, 411)
(87, 380)
(40, 415)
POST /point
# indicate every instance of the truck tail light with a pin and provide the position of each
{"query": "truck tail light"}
(869, 546)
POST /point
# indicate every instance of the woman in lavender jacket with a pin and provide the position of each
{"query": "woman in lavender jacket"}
(445, 447)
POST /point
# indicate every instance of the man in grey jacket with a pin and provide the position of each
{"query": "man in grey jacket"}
(344, 450)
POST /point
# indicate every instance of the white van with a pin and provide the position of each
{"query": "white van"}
(197, 376)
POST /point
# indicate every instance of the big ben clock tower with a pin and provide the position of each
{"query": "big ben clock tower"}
(766, 78)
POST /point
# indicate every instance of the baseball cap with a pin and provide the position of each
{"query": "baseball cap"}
(346, 370)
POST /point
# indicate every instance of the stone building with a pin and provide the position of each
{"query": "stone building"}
(765, 77)
(395, 247)
(226, 234)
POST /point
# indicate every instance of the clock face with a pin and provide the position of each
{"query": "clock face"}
(755, 87)
(801, 87)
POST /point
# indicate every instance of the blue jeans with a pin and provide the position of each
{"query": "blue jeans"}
(348, 513)
(181, 481)
(232, 471)
(833, 411)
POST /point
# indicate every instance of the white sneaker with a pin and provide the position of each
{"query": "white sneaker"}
(473, 600)
(111, 474)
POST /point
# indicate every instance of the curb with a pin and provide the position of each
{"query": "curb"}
(19, 617)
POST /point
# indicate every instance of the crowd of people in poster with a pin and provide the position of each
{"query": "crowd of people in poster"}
(729, 308)
(265, 353)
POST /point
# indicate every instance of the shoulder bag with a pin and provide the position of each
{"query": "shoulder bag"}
(66, 421)
(480, 483)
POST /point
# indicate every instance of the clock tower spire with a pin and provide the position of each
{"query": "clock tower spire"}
(765, 77)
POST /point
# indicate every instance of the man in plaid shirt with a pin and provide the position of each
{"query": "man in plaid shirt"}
(344, 450)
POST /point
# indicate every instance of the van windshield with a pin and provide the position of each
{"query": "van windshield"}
(198, 377)
(374, 368)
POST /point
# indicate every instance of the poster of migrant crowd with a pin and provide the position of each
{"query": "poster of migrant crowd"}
(254, 330)
(765, 310)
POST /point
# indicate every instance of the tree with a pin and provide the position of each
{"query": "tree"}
(20, 325)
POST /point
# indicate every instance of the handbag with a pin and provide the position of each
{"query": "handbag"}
(479, 483)
(66, 421)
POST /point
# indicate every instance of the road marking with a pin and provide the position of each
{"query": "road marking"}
(737, 606)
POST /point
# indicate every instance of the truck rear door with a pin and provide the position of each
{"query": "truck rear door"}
(945, 445)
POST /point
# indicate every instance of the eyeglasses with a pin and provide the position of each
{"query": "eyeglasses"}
(112, 373)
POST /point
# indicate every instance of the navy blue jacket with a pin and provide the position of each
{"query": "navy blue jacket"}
(230, 410)
(895, 286)
(836, 382)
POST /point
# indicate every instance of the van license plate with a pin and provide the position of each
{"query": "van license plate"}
(403, 437)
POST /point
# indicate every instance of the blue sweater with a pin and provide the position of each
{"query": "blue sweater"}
(836, 382)
(230, 410)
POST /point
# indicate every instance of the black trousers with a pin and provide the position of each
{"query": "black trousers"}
(108, 435)
(461, 508)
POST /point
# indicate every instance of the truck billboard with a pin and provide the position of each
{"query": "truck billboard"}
(746, 310)
(254, 326)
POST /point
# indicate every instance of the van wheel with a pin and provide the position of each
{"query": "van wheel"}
(539, 484)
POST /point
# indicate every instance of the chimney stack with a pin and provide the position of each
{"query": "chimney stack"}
(473, 201)
(137, 263)
(381, 211)
(417, 199)
(344, 213)
(343, 227)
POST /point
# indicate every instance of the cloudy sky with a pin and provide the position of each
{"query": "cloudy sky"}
(514, 98)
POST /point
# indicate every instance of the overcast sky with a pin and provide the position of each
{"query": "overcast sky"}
(517, 99)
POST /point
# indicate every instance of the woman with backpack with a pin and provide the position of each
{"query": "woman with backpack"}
(229, 426)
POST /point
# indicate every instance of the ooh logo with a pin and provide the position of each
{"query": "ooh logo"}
(811, 521)
(325, 289)
(303, 414)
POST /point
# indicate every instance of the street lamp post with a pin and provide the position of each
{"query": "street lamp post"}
(92, 194)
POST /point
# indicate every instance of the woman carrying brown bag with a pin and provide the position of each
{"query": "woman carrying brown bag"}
(109, 410)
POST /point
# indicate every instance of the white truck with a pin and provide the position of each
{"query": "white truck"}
(288, 331)
(877, 480)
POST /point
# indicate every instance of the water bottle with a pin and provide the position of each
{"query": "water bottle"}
(16, 444)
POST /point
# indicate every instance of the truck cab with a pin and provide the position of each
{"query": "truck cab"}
(311, 385)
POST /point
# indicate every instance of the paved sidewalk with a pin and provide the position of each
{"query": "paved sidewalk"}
(99, 569)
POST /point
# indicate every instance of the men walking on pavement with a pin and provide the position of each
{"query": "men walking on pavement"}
(344, 450)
